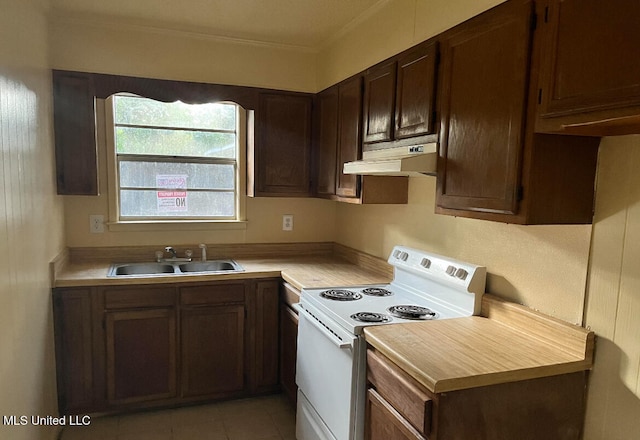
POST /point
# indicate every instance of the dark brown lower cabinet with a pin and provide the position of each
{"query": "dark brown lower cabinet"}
(265, 365)
(74, 359)
(141, 355)
(289, 295)
(138, 346)
(212, 339)
(212, 350)
(398, 407)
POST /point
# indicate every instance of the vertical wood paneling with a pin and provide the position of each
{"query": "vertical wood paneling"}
(627, 331)
(31, 222)
(614, 174)
(613, 294)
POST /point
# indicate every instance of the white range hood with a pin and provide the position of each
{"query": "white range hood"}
(414, 160)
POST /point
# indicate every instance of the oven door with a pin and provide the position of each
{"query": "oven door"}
(329, 369)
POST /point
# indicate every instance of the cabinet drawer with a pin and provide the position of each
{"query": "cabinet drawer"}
(134, 297)
(212, 294)
(401, 391)
(289, 294)
(385, 423)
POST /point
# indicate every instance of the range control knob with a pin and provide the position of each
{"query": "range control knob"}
(462, 274)
(426, 263)
(396, 253)
(451, 270)
(404, 256)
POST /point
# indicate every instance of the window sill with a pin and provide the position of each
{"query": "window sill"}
(180, 225)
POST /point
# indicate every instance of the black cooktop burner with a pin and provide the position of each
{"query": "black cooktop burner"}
(412, 312)
(340, 295)
(376, 291)
(370, 317)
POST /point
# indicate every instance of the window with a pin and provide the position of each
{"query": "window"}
(173, 161)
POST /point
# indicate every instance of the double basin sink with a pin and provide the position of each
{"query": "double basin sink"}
(169, 268)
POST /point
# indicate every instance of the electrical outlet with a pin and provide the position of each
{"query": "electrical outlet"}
(287, 222)
(96, 224)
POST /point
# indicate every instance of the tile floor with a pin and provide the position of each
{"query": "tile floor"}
(261, 418)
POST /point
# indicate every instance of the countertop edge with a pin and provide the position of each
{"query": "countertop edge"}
(302, 273)
(473, 380)
(173, 279)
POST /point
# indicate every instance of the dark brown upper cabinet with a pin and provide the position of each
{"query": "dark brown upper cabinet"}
(485, 67)
(415, 92)
(75, 133)
(338, 120)
(326, 141)
(590, 82)
(279, 160)
(399, 97)
(280, 143)
(349, 135)
(491, 165)
(379, 102)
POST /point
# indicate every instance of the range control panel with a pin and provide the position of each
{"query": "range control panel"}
(460, 274)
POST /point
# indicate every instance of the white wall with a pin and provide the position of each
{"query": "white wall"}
(31, 222)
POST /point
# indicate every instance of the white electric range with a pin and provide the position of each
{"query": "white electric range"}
(330, 366)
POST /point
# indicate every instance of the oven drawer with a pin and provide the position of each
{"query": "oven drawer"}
(401, 391)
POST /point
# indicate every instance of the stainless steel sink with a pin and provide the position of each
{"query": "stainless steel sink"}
(211, 266)
(141, 269)
(147, 269)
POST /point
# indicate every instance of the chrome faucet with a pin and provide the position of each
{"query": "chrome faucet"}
(171, 250)
(174, 255)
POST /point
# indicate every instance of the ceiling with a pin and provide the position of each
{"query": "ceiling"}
(300, 23)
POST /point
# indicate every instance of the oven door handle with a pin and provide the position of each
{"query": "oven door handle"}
(337, 340)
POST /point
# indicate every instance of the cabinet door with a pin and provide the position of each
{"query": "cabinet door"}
(266, 335)
(485, 68)
(75, 137)
(288, 349)
(591, 56)
(385, 423)
(141, 355)
(74, 358)
(212, 350)
(379, 103)
(281, 162)
(415, 95)
(349, 145)
(327, 129)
